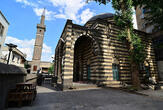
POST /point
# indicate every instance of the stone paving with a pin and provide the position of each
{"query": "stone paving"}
(152, 93)
(92, 99)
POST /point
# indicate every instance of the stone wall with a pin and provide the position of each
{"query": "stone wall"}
(32, 78)
(9, 76)
(106, 51)
(158, 44)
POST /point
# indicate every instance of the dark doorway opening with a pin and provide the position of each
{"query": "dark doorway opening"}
(83, 52)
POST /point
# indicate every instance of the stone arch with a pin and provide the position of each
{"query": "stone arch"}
(95, 42)
(82, 70)
(59, 57)
(68, 64)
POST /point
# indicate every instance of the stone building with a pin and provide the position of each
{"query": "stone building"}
(158, 44)
(157, 37)
(17, 57)
(143, 25)
(93, 53)
(44, 66)
(41, 28)
(3, 31)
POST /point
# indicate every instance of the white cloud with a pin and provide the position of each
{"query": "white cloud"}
(69, 9)
(38, 11)
(27, 3)
(46, 49)
(49, 14)
(66, 9)
(60, 16)
(26, 46)
(86, 15)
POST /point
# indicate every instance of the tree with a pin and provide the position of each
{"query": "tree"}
(51, 69)
(26, 65)
(123, 19)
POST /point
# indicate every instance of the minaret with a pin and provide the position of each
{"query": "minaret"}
(41, 28)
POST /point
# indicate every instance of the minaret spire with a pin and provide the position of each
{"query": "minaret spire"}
(43, 17)
(36, 60)
(43, 14)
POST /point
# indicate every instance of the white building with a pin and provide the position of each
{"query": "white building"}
(16, 58)
(44, 66)
(3, 31)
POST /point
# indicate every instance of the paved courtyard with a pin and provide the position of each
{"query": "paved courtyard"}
(92, 99)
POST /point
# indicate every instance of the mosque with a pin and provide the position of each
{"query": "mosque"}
(93, 54)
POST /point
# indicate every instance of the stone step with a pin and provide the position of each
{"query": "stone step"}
(115, 86)
(161, 87)
(112, 82)
(160, 82)
(83, 85)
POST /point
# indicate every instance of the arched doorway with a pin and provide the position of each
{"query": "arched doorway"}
(83, 53)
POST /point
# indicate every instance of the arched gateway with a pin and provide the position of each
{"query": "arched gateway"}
(84, 58)
(93, 53)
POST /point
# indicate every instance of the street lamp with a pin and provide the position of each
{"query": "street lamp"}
(11, 46)
(53, 59)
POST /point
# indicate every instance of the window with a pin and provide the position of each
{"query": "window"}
(115, 69)
(35, 68)
(1, 29)
(18, 60)
(13, 57)
(144, 10)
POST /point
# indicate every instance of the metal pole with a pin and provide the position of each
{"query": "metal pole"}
(9, 56)
(10, 46)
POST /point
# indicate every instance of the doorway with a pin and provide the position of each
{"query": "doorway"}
(83, 51)
(115, 68)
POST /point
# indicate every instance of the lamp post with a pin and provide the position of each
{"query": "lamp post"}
(11, 46)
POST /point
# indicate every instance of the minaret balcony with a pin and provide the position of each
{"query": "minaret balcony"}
(41, 26)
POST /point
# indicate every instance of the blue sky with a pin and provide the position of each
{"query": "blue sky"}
(23, 16)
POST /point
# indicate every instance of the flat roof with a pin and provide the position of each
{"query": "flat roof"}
(4, 17)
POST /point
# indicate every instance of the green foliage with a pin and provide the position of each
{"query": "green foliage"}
(122, 35)
(154, 12)
(123, 16)
(51, 69)
(159, 46)
(137, 53)
(26, 65)
(123, 19)
(154, 7)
